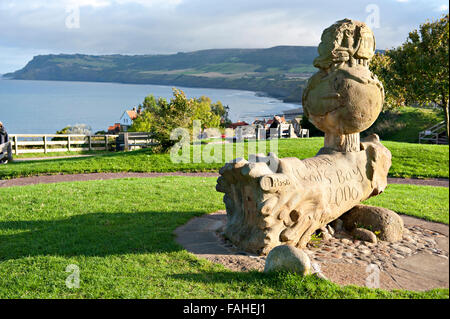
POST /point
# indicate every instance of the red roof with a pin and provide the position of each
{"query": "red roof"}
(115, 128)
(240, 123)
(132, 114)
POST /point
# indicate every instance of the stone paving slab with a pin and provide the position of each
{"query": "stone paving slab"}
(437, 227)
(427, 266)
(411, 268)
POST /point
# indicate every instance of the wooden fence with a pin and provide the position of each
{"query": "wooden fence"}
(128, 141)
(436, 134)
(46, 143)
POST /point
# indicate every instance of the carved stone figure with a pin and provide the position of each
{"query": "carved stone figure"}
(271, 201)
(344, 98)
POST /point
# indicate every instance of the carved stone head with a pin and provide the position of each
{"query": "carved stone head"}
(345, 41)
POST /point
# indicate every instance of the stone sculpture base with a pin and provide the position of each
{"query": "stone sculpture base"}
(271, 201)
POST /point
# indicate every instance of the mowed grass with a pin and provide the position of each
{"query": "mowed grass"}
(403, 124)
(426, 202)
(51, 154)
(120, 235)
(408, 160)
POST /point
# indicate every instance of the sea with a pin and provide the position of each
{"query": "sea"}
(44, 107)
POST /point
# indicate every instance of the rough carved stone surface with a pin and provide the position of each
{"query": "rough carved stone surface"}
(288, 258)
(364, 235)
(287, 204)
(386, 223)
(271, 201)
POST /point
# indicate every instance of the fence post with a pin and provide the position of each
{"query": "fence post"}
(90, 142)
(45, 144)
(106, 142)
(125, 141)
(16, 148)
(68, 143)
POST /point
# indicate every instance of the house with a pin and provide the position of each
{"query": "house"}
(125, 121)
(275, 121)
(115, 129)
(261, 123)
(127, 118)
(237, 124)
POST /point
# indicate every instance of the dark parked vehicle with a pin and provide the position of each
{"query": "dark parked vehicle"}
(5, 146)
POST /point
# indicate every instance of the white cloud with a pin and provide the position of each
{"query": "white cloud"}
(151, 3)
(88, 3)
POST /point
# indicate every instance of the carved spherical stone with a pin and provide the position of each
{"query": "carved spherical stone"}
(343, 101)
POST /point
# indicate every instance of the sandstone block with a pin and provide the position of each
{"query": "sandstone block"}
(288, 258)
(364, 235)
(384, 222)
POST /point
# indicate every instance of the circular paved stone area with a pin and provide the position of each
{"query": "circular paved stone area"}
(418, 262)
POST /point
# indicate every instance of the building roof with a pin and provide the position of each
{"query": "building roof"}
(240, 123)
(132, 114)
(114, 127)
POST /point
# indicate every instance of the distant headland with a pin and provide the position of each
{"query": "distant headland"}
(279, 72)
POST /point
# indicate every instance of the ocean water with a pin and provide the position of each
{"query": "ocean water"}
(38, 107)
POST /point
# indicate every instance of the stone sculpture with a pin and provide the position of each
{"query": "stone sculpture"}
(271, 201)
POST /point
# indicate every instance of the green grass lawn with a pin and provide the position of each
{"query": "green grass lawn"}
(51, 154)
(120, 235)
(426, 202)
(404, 123)
(409, 160)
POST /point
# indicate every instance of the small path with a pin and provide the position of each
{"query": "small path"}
(418, 262)
(46, 179)
(442, 182)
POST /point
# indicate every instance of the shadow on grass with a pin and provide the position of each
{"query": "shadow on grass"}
(93, 234)
(273, 284)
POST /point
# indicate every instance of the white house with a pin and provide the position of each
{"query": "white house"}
(127, 118)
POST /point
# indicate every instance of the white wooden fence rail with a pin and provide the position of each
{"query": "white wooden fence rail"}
(45, 143)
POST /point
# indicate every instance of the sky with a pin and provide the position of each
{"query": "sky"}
(33, 27)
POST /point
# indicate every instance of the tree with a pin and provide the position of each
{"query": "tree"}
(223, 111)
(203, 112)
(161, 117)
(381, 65)
(418, 70)
(82, 129)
